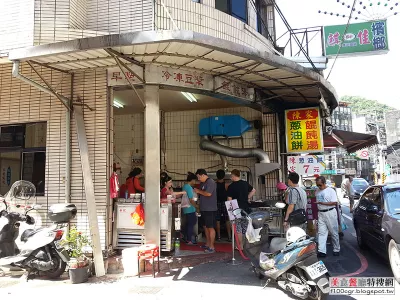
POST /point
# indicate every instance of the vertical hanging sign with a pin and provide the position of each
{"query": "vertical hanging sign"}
(304, 130)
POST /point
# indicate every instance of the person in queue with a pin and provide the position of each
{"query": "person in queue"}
(243, 192)
(208, 207)
(350, 192)
(327, 217)
(296, 198)
(133, 181)
(190, 212)
(222, 213)
(167, 189)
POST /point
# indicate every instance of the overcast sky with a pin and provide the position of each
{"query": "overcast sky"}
(372, 77)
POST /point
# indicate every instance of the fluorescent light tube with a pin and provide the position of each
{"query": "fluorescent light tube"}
(118, 104)
(189, 96)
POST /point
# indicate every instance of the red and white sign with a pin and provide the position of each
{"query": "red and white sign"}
(307, 165)
(362, 154)
(115, 77)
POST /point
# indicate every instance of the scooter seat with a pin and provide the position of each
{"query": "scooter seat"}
(28, 233)
(277, 244)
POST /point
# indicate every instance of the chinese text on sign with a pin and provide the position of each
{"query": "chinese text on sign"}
(303, 131)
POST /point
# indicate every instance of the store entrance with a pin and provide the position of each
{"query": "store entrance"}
(180, 113)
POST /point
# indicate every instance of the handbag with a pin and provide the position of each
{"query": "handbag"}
(298, 216)
(185, 201)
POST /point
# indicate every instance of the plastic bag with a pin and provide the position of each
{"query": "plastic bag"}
(342, 223)
(185, 201)
(252, 235)
(138, 215)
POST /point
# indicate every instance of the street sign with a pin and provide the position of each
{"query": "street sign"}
(366, 38)
(362, 154)
(329, 172)
(307, 165)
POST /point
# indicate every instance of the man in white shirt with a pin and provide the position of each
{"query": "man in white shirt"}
(327, 217)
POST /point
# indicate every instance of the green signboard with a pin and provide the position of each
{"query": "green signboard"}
(360, 39)
(329, 172)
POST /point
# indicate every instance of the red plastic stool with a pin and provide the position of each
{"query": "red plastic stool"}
(149, 251)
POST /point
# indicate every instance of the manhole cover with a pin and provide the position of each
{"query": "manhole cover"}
(150, 290)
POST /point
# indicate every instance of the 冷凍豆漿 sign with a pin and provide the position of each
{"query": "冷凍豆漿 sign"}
(304, 130)
(360, 38)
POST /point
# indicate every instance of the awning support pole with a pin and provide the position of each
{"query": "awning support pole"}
(89, 191)
(48, 90)
(121, 66)
(83, 149)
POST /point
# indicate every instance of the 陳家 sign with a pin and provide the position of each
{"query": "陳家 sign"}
(361, 38)
(308, 165)
(304, 130)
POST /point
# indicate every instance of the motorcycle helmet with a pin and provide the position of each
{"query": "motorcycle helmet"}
(295, 234)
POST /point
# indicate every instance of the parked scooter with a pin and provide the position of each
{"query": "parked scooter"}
(291, 262)
(41, 251)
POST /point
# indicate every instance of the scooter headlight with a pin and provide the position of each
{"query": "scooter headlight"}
(266, 263)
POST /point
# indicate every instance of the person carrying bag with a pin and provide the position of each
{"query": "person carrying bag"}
(297, 203)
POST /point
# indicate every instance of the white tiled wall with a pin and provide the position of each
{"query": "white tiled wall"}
(182, 143)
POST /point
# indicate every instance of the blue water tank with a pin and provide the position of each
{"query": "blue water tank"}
(229, 126)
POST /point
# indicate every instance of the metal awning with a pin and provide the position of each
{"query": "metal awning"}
(279, 78)
(351, 141)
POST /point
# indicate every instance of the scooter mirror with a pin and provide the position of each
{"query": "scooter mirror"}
(280, 205)
(37, 206)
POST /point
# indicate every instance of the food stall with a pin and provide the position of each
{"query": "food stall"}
(127, 234)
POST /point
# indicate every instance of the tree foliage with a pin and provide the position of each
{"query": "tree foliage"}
(363, 106)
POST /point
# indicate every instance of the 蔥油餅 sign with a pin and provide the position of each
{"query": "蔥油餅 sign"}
(366, 38)
(307, 165)
(304, 131)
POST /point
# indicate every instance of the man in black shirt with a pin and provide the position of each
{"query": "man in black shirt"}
(242, 191)
(222, 213)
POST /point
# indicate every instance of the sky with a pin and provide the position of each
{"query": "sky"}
(372, 77)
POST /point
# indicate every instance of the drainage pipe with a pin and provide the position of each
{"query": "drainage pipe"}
(207, 144)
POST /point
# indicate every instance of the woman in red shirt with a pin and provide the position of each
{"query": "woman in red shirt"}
(133, 181)
(166, 190)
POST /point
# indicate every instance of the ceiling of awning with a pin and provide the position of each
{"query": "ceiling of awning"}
(279, 78)
(352, 141)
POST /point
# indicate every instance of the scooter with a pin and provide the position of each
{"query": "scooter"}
(41, 251)
(291, 262)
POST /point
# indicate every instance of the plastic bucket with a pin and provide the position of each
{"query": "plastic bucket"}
(130, 261)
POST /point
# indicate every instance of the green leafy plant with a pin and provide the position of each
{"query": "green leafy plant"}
(75, 242)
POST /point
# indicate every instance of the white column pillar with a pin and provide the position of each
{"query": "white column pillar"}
(152, 164)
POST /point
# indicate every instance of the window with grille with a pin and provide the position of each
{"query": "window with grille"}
(23, 155)
(235, 8)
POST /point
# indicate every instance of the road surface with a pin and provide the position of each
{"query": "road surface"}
(207, 281)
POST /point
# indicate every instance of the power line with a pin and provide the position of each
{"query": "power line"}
(344, 33)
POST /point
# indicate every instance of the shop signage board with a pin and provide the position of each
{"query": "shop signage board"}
(178, 77)
(329, 172)
(308, 165)
(367, 38)
(115, 77)
(230, 207)
(312, 208)
(304, 131)
(233, 88)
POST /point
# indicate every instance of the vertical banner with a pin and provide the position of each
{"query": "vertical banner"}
(304, 130)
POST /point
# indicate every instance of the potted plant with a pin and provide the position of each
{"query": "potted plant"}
(75, 242)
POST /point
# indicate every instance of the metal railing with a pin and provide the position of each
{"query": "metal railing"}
(311, 38)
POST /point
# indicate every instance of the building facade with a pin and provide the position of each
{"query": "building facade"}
(64, 64)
